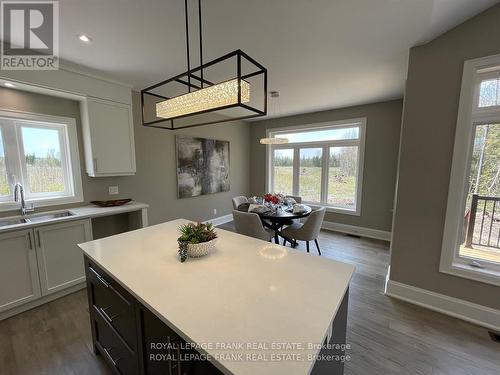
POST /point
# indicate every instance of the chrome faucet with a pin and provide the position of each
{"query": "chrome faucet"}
(19, 194)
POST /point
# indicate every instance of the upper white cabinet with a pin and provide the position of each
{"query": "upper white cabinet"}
(108, 134)
(18, 269)
(106, 111)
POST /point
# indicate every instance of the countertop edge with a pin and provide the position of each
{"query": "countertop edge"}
(81, 212)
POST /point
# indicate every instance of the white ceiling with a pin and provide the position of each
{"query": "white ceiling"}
(320, 54)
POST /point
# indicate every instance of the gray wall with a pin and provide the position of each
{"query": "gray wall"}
(429, 122)
(379, 179)
(155, 182)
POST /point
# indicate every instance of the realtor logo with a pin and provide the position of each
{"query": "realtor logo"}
(29, 35)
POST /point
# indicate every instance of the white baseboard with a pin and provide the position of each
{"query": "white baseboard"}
(358, 231)
(328, 225)
(220, 220)
(42, 300)
(468, 311)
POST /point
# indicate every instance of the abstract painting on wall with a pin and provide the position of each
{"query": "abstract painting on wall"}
(202, 166)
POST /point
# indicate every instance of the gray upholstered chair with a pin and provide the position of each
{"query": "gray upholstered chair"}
(239, 200)
(307, 231)
(296, 198)
(249, 224)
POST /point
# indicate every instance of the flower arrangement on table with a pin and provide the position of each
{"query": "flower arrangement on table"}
(275, 199)
(196, 239)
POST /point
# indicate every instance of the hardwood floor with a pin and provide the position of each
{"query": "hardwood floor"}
(386, 336)
(53, 339)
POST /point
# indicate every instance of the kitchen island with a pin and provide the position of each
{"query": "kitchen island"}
(249, 307)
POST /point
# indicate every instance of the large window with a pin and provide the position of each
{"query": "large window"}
(471, 242)
(321, 163)
(41, 153)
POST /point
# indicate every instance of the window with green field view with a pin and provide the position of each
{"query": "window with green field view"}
(342, 176)
(322, 164)
(44, 165)
(37, 155)
(310, 174)
(283, 170)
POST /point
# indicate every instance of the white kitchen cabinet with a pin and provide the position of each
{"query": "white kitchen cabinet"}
(19, 282)
(108, 134)
(60, 260)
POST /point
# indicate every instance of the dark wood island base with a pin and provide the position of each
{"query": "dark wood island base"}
(134, 341)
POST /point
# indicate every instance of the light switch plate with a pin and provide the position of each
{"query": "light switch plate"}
(113, 190)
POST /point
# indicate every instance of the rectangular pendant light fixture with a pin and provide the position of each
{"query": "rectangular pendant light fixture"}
(216, 91)
(232, 87)
(205, 99)
(213, 92)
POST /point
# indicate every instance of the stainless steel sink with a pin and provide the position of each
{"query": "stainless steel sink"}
(33, 218)
(41, 217)
(12, 221)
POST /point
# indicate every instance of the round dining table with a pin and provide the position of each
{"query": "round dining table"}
(275, 220)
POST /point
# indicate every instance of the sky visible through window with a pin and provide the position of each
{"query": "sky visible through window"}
(2, 152)
(321, 135)
(489, 94)
(41, 141)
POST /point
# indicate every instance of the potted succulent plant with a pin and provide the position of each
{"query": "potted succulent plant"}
(196, 240)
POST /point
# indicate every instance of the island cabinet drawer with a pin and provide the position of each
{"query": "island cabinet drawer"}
(113, 304)
(166, 353)
(113, 349)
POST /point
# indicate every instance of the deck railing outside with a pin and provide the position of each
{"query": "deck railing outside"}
(484, 222)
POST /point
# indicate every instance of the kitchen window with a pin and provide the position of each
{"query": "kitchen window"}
(322, 163)
(41, 153)
(471, 241)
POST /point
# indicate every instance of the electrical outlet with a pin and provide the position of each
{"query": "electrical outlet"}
(113, 190)
(215, 211)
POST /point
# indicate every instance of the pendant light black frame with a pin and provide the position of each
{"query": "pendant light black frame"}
(194, 78)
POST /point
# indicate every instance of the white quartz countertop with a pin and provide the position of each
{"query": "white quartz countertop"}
(76, 214)
(249, 293)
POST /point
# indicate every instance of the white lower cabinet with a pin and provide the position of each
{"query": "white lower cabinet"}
(19, 282)
(60, 260)
(41, 261)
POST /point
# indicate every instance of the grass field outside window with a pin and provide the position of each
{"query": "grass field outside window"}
(323, 165)
(41, 153)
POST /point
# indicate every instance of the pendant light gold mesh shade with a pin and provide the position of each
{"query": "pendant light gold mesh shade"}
(273, 141)
(215, 96)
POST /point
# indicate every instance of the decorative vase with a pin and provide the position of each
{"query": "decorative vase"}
(200, 249)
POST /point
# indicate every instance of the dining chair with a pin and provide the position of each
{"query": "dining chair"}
(249, 224)
(239, 200)
(307, 231)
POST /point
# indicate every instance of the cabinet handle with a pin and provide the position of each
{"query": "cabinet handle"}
(100, 278)
(39, 240)
(113, 361)
(95, 164)
(29, 239)
(105, 314)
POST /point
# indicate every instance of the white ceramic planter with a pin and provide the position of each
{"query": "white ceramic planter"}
(200, 249)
